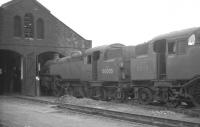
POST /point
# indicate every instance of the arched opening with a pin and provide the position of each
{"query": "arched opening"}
(42, 69)
(28, 25)
(11, 68)
(17, 26)
(40, 28)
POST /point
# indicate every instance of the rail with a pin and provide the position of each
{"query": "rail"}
(150, 120)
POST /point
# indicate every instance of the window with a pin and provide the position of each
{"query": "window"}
(82, 45)
(181, 46)
(17, 26)
(96, 55)
(88, 59)
(191, 40)
(159, 46)
(75, 44)
(198, 37)
(40, 28)
(171, 48)
(113, 53)
(28, 26)
(141, 49)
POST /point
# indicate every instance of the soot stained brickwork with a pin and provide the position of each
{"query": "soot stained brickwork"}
(28, 29)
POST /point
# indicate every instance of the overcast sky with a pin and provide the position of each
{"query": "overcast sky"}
(124, 21)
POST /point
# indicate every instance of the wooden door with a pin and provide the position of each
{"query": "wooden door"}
(30, 75)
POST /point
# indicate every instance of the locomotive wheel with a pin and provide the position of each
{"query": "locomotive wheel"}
(78, 92)
(82, 92)
(95, 93)
(120, 95)
(86, 90)
(145, 96)
(111, 94)
(58, 91)
(70, 91)
(104, 94)
(172, 104)
(194, 92)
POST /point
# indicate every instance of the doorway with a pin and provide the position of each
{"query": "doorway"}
(11, 66)
(44, 60)
(95, 58)
(160, 50)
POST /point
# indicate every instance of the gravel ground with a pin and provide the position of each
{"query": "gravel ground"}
(125, 108)
(21, 113)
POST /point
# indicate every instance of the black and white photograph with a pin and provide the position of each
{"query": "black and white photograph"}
(99, 63)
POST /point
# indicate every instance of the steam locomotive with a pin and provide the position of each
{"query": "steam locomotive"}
(164, 69)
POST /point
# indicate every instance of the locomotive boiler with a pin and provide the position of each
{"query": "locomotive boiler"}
(164, 69)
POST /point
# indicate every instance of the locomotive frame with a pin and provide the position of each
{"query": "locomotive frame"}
(165, 69)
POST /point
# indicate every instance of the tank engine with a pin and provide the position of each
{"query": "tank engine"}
(97, 73)
(165, 69)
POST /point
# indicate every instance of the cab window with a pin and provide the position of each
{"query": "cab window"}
(159, 46)
(112, 53)
(88, 59)
(171, 47)
(177, 46)
(191, 40)
(198, 37)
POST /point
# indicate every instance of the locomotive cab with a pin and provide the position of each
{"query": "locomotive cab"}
(167, 69)
(110, 66)
(105, 67)
(102, 63)
(183, 63)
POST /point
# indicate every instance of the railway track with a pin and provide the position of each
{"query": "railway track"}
(193, 112)
(161, 122)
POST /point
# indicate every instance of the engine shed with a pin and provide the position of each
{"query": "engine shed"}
(29, 36)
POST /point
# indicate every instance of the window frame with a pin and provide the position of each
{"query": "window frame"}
(17, 26)
(29, 25)
(189, 40)
(105, 55)
(40, 28)
(88, 59)
(197, 35)
(174, 50)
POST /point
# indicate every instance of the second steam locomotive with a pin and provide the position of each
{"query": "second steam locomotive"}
(165, 69)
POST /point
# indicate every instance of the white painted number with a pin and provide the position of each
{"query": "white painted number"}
(107, 71)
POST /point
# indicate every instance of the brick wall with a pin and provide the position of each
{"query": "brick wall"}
(58, 37)
(1, 23)
(57, 34)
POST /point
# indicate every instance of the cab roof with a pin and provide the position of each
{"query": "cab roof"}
(104, 47)
(177, 34)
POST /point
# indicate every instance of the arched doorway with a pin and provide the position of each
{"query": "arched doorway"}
(11, 68)
(47, 56)
(42, 61)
